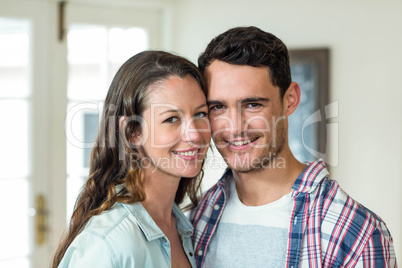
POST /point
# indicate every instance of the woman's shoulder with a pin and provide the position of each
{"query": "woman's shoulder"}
(116, 221)
(111, 237)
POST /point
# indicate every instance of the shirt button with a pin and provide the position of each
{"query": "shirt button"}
(164, 240)
(216, 207)
(200, 252)
(191, 254)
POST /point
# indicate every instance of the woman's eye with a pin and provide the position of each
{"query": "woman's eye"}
(172, 119)
(200, 115)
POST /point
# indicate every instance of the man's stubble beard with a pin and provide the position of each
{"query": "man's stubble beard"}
(267, 156)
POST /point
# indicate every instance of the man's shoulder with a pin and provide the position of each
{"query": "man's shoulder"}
(341, 202)
(334, 199)
(343, 214)
(348, 227)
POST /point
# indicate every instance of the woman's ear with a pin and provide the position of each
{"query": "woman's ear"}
(291, 99)
(135, 138)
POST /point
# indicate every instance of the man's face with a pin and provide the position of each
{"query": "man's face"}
(248, 126)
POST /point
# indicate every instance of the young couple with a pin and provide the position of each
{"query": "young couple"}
(154, 134)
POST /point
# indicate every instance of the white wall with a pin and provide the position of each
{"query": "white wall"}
(366, 53)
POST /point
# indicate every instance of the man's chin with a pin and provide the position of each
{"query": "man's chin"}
(242, 166)
(246, 163)
(243, 169)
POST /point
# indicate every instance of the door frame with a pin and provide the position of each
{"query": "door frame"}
(49, 93)
(110, 13)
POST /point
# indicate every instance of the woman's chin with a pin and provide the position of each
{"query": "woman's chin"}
(190, 173)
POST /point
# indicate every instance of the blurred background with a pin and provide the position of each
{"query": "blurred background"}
(58, 58)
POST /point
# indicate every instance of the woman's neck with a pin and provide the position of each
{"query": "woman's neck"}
(160, 190)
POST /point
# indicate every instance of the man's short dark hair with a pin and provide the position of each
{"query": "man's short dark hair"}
(250, 46)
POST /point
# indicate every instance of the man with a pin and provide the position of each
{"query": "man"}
(268, 209)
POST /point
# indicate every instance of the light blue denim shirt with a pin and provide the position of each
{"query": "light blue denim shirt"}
(126, 236)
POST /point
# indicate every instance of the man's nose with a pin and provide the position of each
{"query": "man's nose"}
(236, 122)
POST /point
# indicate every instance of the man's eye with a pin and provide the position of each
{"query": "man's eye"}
(200, 115)
(217, 107)
(172, 119)
(253, 105)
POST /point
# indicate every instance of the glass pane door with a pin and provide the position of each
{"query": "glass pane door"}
(15, 160)
(97, 46)
(49, 89)
(95, 52)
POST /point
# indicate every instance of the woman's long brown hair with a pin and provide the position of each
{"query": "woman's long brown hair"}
(115, 175)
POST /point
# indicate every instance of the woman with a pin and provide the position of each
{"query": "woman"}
(148, 154)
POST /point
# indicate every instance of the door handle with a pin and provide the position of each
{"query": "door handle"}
(40, 219)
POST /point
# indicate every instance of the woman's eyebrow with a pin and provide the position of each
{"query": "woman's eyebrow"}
(201, 106)
(170, 111)
(179, 111)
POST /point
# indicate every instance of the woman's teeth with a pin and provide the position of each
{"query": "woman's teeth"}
(188, 153)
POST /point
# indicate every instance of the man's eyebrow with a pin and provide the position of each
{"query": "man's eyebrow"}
(214, 102)
(247, 100)
(256, 99)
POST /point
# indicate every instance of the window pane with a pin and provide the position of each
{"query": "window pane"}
(14, 58)
(94, 55)
(86, 58)
(86, 44)
(90, 131)
(15, 263)
(123, 44)
(305, 74)
(14, 138)
(81, 129)
(74, 185)
(14, 227)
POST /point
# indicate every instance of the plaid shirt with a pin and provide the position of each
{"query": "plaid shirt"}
(327, 228)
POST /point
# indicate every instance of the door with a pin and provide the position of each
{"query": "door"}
(51, 93)
(98, 40)
(24, 46)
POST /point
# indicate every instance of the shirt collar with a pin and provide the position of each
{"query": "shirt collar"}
(148, 225)
(311, 176)
(306, 182)
(184, 227)
(227, 175)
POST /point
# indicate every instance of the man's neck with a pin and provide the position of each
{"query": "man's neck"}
(267, 185)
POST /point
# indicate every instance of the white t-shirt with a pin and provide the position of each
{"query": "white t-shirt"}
(251, 236)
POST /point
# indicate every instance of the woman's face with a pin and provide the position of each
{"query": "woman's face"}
(176, 133)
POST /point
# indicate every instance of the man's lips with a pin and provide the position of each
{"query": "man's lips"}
(241, 144)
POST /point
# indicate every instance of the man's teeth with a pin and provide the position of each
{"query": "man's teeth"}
(188, 153)
(240, 143)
